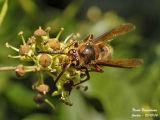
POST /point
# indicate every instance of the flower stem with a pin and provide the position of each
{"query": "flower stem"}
(10, 68)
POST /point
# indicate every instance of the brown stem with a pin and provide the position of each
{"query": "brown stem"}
(10, 68)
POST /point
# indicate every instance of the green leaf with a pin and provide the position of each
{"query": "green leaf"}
(21, 98)
(3, 11)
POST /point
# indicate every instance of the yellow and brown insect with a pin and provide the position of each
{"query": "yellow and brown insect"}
(95, 53)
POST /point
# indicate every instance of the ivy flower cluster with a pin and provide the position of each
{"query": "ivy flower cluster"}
(49, 56)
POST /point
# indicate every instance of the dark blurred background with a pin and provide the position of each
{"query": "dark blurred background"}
(112, 95)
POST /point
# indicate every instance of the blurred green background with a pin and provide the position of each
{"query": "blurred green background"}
(111, 95)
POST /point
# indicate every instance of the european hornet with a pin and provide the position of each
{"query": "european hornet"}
(93, 53)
